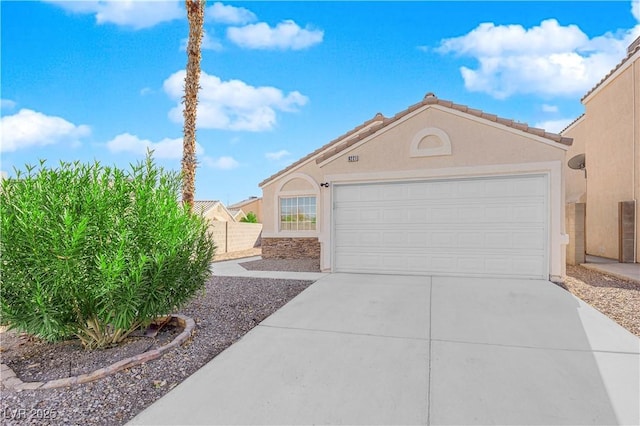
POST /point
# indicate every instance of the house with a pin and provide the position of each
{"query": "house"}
(213, 210)
(437, 189)
(251, 204)
(603, 168)
(237, 214)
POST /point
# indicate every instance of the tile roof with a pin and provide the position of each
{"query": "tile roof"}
(571, 124)
(633, 48)
(202, 206)
(379, 121)
(243, 202)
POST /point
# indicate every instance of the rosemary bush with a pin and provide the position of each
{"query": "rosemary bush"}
(96, 252)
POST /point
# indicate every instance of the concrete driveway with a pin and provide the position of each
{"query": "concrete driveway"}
(376, 349)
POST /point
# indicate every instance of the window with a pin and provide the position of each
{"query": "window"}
(298, 213)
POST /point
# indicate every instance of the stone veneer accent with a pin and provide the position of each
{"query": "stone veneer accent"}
(290, 248)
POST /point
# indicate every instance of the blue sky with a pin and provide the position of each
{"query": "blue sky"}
(102, 80)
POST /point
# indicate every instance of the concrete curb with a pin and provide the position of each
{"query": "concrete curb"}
(12, 382)
(599, 268)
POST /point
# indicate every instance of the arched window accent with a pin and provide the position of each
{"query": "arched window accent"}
(297, 201)
(430, 142)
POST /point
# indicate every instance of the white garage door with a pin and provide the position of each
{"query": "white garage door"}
(471, 227)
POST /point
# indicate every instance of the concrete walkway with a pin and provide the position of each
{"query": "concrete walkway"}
(375, 349)
(232, 268)
(629, 271)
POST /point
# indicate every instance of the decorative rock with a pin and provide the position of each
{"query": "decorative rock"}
(11, 381)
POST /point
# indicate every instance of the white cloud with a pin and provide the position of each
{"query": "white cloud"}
(286, 35)
(548, 59)
(29, 128)
(549, 108)
(7, 104)
(275, 156)
(164, 149)
(226, 14)
(167, 148)
(233, 104)
(635, 9)
(134, 14)
(221, 163)
(208, 43)
(146, 91)
(554, 126)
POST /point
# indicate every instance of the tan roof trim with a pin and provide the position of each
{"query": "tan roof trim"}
(355, 130)
(379, 122)
(634, 48)
(572, 123)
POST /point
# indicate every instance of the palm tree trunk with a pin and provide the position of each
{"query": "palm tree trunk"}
(195, 15)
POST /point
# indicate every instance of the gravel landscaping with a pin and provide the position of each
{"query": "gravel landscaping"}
(617, 298)
(230, 307)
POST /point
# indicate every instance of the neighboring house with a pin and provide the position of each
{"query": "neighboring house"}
(251, 204)
(213, 210)
(607, 135)
(237, 214)
(437, 189)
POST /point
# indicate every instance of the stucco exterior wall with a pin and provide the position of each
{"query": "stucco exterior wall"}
(473, 143)
(254, 206)
(575, 180)
(611, 138)
(478, 148)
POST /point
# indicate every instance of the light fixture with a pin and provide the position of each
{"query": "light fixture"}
(325, 184)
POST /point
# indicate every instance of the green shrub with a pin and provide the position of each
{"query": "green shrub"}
(96, 252)
(250, 218)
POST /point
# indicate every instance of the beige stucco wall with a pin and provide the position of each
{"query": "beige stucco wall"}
(478, 147)
(610, 135)
(297, 184)
(254, 206)
(575, 180)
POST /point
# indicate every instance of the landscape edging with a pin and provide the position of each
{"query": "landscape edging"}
(11, 381)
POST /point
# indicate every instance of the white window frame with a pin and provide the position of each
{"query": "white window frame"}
(314, 220)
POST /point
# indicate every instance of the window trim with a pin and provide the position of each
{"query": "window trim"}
(314, 190)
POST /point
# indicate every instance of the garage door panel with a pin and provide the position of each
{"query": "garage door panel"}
(492, 226)
(528, 240)
(462, 239)
(441, 264)
(397, 215)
